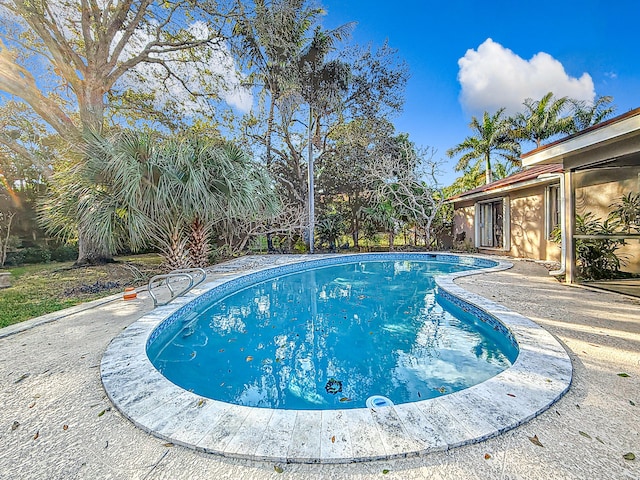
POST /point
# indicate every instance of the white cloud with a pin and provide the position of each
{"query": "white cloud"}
(493, 77)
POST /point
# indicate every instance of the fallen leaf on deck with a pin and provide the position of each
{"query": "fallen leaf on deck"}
(201, 402)
(600, 440)
(22, 377)
(632, 403)
(278, 469)
(584, 434)
(168, 445)
(35, 437)
(487, 456)
(385, 471)
(511, 395)
(101, 413)
(15, 425)
(33, 404)
(65, 427)
(629, 456)
(623, 375)
(333, 439)
(535, 441)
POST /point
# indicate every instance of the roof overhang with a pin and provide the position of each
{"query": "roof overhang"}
(500, 192)
(608, 141)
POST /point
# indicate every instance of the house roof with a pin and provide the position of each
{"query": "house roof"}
(611, 131)
(511, 182)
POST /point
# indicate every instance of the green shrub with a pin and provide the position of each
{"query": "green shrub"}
(15, 259)
(596, 258)
(300, 246)
(64, 253)
(626, 213)
(329, 228)
(37, 255)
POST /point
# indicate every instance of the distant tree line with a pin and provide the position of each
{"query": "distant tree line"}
(118, 135)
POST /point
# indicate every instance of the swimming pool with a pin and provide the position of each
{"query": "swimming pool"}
(540, 374)
(332, 337)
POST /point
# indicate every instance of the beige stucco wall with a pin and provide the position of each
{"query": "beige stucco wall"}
(463, 222)
(597, 189)
(527, 225)
(528, 236)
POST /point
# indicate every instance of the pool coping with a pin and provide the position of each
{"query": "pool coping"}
(540, 376)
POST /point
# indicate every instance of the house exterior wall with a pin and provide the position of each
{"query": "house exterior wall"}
(527, 237)
(528, 234)
(464, 224)
(597, 190)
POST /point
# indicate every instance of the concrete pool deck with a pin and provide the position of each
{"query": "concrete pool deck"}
(539, 376)
(65, 427)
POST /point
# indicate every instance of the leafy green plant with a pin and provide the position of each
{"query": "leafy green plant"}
(64, 253)
(37, 255)
(329, 228)
(596, 258)
(626, 213)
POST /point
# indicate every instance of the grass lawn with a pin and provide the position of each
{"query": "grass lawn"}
(44, 288)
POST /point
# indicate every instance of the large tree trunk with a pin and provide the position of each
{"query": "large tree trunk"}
(90, 253)
(199, 244)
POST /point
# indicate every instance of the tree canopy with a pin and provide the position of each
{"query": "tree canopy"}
(493, 138)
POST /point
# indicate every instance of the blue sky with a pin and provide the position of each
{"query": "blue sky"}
(535, 47)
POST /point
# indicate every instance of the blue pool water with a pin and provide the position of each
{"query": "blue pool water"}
(332, 337)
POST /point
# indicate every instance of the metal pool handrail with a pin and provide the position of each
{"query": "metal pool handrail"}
(186, 273)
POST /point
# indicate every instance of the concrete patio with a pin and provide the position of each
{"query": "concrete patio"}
(56, 421)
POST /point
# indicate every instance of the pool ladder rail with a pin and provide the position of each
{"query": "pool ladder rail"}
(181, 275)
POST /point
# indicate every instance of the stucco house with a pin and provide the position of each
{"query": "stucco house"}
(584, 172)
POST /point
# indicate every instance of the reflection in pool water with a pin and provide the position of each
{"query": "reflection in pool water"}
(332, 337)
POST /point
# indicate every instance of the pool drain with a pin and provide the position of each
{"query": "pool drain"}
(376, 401)
(333, 386)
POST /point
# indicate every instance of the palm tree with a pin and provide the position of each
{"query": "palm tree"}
(169, 194)
(79, 204)
(273, 41)
(270, 41)
(472, 177)
(543, 119)
(322, 84)
(494, 136)
(586, 114)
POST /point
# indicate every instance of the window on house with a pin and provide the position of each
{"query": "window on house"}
(491, 224)
(553, 208)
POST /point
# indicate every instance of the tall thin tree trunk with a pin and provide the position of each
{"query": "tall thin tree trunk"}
(488, 173)
(311, 187)
(269, 161)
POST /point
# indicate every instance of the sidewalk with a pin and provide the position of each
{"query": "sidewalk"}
(56, 422)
